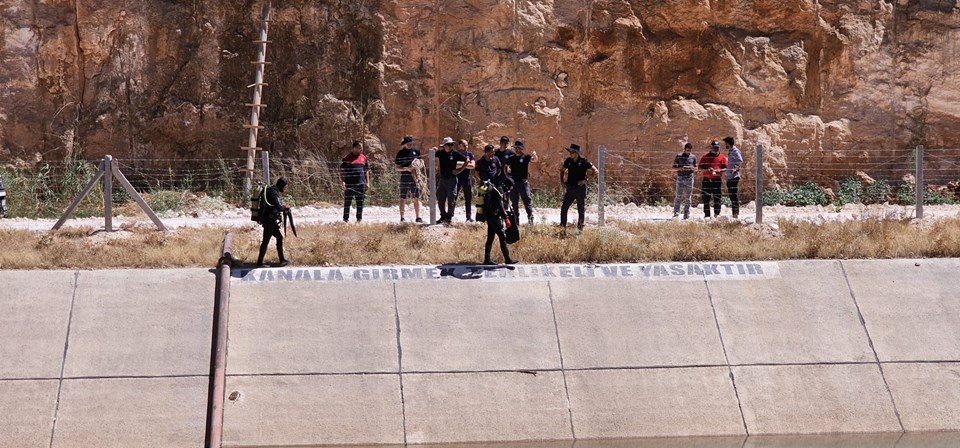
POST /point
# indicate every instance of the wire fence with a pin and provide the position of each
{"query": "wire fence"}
(630, 176)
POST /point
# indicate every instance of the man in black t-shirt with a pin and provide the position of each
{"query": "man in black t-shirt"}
(576, 169)
(408, 185)
(354, 178)
(503, 152)
(449, 164)
(465, 178)
(488, 165)
(520, 168)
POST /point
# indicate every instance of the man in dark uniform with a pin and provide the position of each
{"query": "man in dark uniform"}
(520, 169)
(503, 152)
(408, 185)
(575, 168)
(465, 178)
(354, 178)
(489, 165)
(271, 217)
(450, 163)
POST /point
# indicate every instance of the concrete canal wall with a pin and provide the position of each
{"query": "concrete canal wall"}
(447, 354)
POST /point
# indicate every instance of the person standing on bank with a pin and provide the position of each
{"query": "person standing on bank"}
(450, 164)
(686, 164)
(503, 152)
(495, 212)
(354, 178)
(489, 165)
(734, 161)
(712, 164)
(573, 176)
(465, 179)
(271, 210)
(520, 171)
(408, 185)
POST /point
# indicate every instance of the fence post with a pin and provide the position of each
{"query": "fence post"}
(758, 201)
(920, 182)
(265, 166)
(432, 188)
(601, 191)
(108, 194)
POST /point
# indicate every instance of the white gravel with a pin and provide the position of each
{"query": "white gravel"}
(238, 218)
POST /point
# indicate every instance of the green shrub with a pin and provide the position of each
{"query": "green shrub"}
(165, 200)
(806, 194)
(774, 196)
(877, 192)
(906, 194)
(934, 198)
(850, 191)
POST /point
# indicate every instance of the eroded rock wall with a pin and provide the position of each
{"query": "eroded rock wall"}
(830, 82)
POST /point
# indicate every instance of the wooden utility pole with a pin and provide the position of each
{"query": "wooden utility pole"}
(255, 106)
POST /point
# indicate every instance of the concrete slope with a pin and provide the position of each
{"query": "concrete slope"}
(107, 359)
(449, 354)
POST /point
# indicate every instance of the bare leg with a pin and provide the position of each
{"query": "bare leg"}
(416, 207)
(403, 204)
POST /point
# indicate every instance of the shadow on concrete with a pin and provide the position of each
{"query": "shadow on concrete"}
(469, 271)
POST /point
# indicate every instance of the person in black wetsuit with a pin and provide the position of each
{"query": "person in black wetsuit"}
(495, 212)
(272, 215)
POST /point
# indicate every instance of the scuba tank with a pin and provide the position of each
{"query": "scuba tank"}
(255, 204)
(478, 203)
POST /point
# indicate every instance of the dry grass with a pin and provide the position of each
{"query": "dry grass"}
(380, 244)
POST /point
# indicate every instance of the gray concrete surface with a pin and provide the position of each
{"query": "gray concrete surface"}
(911, 307)
(654, 403)
(470, 407)
(456, 354)
(289, 328)
(467, 326)
(128, 412)
(34, 310)
(603, 324)
(806, 316)
(815, 399)
(26, 413)
(927, 395)
(134, 368)
(294, 410)
(141, 323)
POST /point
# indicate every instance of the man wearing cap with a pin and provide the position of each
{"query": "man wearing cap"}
(685, 163)
(465, 178)
(272, 216)
(734, 160)
(712, 165)
(450, 164)
(503, 152)
(354, 178)
(408, 185)
(520, 170)
(574, 176)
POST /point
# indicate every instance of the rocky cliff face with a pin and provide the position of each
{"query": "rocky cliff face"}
(815, 81)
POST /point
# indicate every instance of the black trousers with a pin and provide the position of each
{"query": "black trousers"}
(711, 190)
(494, 228)
(733, 189)
(271, 229)
(447, 197)
(465, 184)
(521, 190)
(578, 193)
(357, 193)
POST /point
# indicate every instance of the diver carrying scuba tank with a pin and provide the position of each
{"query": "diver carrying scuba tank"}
(495, 213)
(271, 215)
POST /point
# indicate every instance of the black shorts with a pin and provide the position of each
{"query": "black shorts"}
(408, 188)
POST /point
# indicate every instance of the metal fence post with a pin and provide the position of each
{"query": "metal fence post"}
(920, 183)
(758, 201)
(265, 166)
(432, 188)
(108, 194)
(601, 191)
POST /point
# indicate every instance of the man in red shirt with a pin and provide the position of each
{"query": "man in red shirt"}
(712, 165)
(354, 178)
